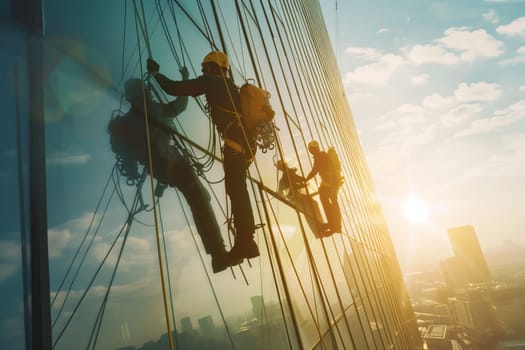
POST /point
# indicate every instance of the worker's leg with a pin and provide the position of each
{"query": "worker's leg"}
(235, 169)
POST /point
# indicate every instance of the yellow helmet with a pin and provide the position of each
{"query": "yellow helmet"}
(313, 145)
(217, 57)
(280, 164)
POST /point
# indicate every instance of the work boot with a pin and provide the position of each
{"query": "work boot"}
(245, 247)
(222, 260)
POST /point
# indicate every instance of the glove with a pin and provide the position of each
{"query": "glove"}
(184, 72)
(152, 66)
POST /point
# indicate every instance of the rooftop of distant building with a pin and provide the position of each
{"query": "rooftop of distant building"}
(436, 332)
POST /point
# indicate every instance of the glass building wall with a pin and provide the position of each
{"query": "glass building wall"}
(127, 269)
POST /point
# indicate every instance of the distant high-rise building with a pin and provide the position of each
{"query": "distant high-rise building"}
(508, 309)
(436, 338)
(257, 305)
(468, 252)
(454, 273)
(472, 310)
(185, 324)
(206, 325)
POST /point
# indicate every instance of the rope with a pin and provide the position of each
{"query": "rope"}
(232, 343)
(152, 188)
(92, 280)
(83, 240)
(79, 267)
(168, 275)
(309, 79)
(374, 295)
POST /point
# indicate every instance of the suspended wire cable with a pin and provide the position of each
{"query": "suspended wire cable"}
(381, 308)
(81, 264)
(374, 295)
(155, 216)
(82, 241)
(305, 66)
(210, 283)
(167, 33)
(168, 275)
(123, 41)
(179, 36)
(209, 32)
(97, 271)
(93, 337)
(144, 28)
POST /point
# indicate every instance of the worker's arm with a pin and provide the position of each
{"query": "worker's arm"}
(177, 106)
(192, 87)
(313, 172)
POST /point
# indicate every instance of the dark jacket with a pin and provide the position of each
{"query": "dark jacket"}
(223, 100)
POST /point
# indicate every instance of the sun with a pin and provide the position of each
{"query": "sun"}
(416, 209)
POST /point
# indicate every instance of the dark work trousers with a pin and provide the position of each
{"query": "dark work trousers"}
(235, 174)
(310, 208)
(176, 171)
(328, 197)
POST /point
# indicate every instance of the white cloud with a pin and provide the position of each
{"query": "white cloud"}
(411, 114)
(383, 30)
(421, 54)
(355, 96)
(377, 73)
(422, 137)
(385, 125)
(512, 61)
(477, 92)
(516, 27)
(471, 44)
(501, 119)
(57, 241)
(518, 59)
(491, 17)
(457, 45)
(522, 88)
(9, 258)
(9, 250)
(420, 79)
(63, 158)
(386, 165)
(459, 114)
(9, 153)
(406, 114)
(366, 53)
(437, 102)
(6, 270)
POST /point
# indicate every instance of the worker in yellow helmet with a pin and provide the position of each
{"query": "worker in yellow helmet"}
(293, 187)
(170, 164)
(329, 187)
(239, 148)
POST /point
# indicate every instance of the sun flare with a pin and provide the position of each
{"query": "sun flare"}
(416, 209)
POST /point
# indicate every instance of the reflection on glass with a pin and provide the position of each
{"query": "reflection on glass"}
(128, 258)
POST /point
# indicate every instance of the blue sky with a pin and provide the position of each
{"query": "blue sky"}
(438, 96)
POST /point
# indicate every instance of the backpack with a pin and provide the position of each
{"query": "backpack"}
(335, 165)
(257, 114)
(123, 137)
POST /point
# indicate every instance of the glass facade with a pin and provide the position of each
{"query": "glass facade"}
(127, 267)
